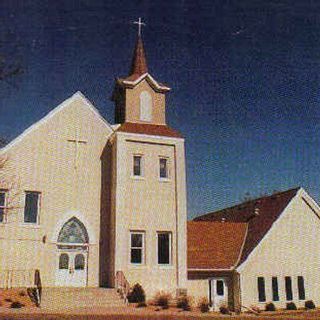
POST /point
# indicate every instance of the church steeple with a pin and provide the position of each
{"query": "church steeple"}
(139, 62)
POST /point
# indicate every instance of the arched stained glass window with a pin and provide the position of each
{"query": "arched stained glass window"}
(145, 106)
(79, 262)
(64, 261)
(73, 231)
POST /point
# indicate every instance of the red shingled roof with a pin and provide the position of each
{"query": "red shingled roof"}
(214, 245)
(268, 209)
(139, 62)
(149, 129)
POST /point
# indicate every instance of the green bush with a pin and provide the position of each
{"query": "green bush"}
(224, 310)
(184, 303)
(16, 305)
(162, 299)
(291, 306)
(309, 304)
(136, 294)
(270, 307)
(203, 305)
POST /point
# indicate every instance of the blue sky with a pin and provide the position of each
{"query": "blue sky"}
(244, 77)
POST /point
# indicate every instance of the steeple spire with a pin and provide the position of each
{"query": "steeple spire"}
(139, 62)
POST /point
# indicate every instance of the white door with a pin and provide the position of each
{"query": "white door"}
(218, 293)
(72, 268)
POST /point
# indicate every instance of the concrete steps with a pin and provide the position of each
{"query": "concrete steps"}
(74, 298)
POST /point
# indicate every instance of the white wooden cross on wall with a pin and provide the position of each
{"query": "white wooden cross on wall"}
(77, 141)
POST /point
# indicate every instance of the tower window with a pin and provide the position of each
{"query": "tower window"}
(164, 248)
(163, 163)
(2, 205)
(145, 106)
(137, 247)
(137, 166)
(31, 208)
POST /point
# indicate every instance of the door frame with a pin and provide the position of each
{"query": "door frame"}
(213, 294)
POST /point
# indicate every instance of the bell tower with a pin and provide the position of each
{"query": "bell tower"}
(139, 98)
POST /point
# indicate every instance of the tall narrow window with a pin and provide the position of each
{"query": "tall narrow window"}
(301, 290)
(163, 164)
(261, 289)
(145, 106)
(31, 208)
(137, 247)
(288, 283)
(164, 248)
(2, 205)
(220, 288)
(137, 166)
(275, 289)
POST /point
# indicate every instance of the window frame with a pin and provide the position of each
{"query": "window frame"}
(4, 207)
(145, 106)
(288, 288)
(275, 289)
(167, 168)
(301, 288)
(170, 249)
(143, 259)
(261, 290)
(137, 155)
(38, 207)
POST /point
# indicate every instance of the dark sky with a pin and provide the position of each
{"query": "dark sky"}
(244, 77)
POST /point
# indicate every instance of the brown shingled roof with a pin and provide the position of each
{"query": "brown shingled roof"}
(214, 245)
(268, 210)
(139, 61)
(149, 129)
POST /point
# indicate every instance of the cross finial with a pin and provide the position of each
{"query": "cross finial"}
(139, 23)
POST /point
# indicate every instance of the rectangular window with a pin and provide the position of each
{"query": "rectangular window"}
(275, 289)
(163, 164)
(2, 205)
(301, 290)
(31, 207)
(137, 166)
(164, 248)
(220, 288)
(288, 284)
(137, 247)
(261, 289)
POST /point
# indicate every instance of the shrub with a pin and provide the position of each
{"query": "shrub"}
(291, 306)
(184, 303)
(16, 305)
(22, 293)
(203, 305)
(162, 299)
(309, 304)
(141, 305)
(7, 300)
(224, 310)
(270, 307)
(136, 294)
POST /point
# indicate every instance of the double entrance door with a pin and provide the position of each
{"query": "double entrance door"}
(72, 266)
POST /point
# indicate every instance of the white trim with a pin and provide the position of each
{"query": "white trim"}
(149, 136)
(143, 255)
(210, 270)
(267, 235)
(66, 217)
(241, 249)
(64, 104)
(149, 77)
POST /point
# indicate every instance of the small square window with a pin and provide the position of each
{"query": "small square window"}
(164, 248)
(3, 194)
(137, 166)
(163, 166)
(31, 207)
(137, 247)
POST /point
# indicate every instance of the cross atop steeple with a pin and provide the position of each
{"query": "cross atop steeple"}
(139, 23)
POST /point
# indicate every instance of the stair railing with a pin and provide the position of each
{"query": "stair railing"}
(122, 285)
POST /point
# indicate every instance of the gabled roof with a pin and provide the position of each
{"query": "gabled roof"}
(76, 96)
(214, 245)
(149, 129)
(259, 214)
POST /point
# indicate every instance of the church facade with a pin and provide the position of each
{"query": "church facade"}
(82, 200)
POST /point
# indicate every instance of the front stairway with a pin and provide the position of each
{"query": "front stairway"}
(75, 298)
